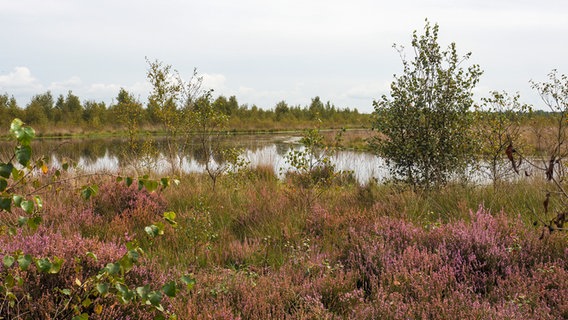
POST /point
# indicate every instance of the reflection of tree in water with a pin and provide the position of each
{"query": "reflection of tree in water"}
(199, 154)
(146, 149)
(282, 149)
(71, 149)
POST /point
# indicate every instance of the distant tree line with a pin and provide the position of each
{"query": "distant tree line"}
(49, 112)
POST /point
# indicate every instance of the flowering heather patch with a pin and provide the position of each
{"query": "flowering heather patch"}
(122, 209)
(490, 267)
(118, 199)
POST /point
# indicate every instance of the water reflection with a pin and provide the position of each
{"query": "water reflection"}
(115, 154)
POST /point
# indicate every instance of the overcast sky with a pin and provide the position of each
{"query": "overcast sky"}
(265, 51)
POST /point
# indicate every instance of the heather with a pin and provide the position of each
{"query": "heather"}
(271, 257)
(258, 249)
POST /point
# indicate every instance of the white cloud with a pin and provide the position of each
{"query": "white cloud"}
(20, 78)
(72, 83)
(108, 91)
(216, 82)
(259, 50)
(368, 91)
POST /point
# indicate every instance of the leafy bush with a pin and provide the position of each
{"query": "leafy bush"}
(425, 125)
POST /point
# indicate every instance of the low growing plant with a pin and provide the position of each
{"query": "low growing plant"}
(25, 274)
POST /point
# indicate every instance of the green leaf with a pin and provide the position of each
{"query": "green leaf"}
(133, 255)
(82, 316)
(23, 155)
(86, 303)
(6, 170)
(88, 191)
(24, 135)
(6, 204)
(17, 200)
(102, 288)
(125, 293)
(8, 261)
(112, 268)
(3, 184)
(152, 230)
(56, 265)
(129, 181)
(16, 125)
(66, 292)
(151, 185)
(155, 298)
(188, 281)
(39, 202)
(165, 182)
(170, 289)
(17, 174)
(9, 281)
(27, 206)
(126, 263)
(22, 221)
(170, 218)
(34, 222)
(91, 255)
(44, 265)
(24, 261)
(133, 245)
(122, 289)
(143, 292)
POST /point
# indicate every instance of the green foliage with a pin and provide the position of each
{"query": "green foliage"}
(425, 125)
(129, 113)
(68, 110)
(90, 294)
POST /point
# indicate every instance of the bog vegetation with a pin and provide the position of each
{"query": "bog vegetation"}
(239, 243)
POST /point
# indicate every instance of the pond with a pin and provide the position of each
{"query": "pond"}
(114, 155)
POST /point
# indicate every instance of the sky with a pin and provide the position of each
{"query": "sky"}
(266, 51)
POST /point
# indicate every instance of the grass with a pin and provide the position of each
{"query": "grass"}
(371, 252)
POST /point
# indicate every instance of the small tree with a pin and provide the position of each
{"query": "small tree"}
(425, 125)
(311, 169)
(210, 123)
(498, 129)
(128, 112)
(170, 103)
(554, 94)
